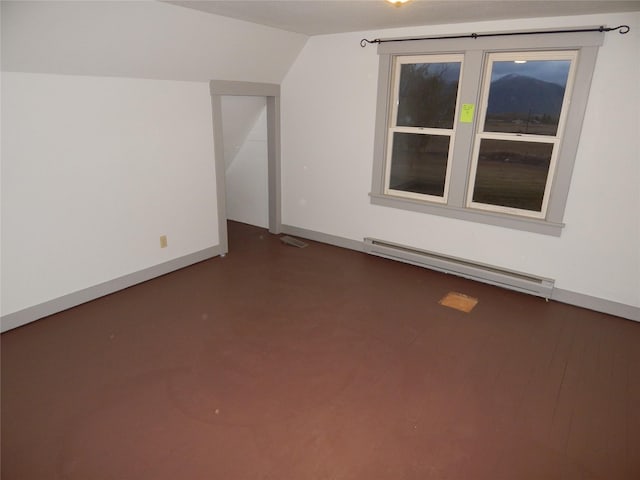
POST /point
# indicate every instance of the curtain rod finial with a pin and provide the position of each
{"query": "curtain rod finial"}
(364, 41)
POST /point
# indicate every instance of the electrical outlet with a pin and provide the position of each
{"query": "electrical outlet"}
(163, 241)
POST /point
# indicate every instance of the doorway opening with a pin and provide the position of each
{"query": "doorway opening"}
(244, 129)
(220, 111)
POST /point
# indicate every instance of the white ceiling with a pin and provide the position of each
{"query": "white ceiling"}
(315, 17)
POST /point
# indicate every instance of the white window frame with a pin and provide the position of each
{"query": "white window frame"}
(475, 51)
(555, 140)
(394, 128)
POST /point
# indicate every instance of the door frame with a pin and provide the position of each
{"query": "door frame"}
(218, 89)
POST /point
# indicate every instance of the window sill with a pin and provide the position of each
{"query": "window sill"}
(488, 218)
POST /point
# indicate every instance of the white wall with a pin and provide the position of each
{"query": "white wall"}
(107, 137)
(328, 114)
(94, 170)
(245, 146)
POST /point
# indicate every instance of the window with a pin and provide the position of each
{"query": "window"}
(422, 126)
(470, 129)
(524, 98)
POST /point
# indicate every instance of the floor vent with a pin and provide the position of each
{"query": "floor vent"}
(294, 242)
(522, 282)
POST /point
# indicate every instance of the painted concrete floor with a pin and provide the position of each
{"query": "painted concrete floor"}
(319, 363)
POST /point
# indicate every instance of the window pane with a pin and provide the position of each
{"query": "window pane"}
(419, 163)
(427, 94)
(512, 174)
(526, 97)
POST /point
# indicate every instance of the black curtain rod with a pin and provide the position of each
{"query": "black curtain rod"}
(622, 28)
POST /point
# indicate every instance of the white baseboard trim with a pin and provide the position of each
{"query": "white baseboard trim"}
(597, 304)
(323, 238)
(36, 312)
(560, 295)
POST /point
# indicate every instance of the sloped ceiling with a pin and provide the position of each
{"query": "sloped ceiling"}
(141, 39)
(314, 17)
(240, 115)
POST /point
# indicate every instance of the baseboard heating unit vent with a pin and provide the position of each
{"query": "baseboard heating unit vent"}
(522, 282)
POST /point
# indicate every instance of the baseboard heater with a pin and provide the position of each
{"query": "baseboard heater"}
(521, 282)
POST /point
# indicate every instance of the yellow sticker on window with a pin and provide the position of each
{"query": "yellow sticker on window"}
(466, 114)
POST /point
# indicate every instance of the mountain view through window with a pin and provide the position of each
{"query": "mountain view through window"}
(526, 97)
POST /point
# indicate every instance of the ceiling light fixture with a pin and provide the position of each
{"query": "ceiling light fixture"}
(398, 3)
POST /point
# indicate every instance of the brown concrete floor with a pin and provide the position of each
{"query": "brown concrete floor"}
(319, 363)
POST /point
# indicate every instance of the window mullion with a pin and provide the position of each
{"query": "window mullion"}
(469, 93)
